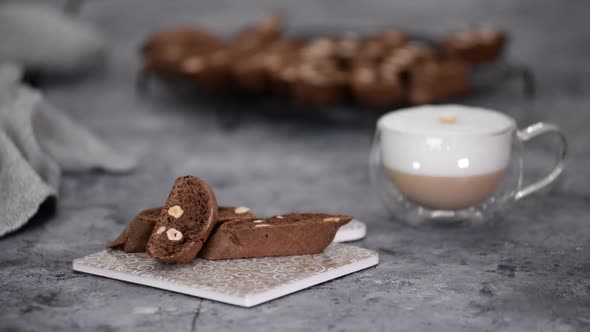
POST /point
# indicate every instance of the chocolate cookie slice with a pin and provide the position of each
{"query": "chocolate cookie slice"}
(286, 235)
(402, 59)
(254, 37)
(185, 222)
(319, 82)
(253, 73)
(165, 51)
(185, 36)
(250, 72)
(434, 81)
(376, 87)
(135, 236)
(209, 71)
(284, 68)
(478, 45)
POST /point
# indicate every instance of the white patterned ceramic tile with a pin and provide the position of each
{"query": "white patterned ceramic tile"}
(243, 282)
(353, 231)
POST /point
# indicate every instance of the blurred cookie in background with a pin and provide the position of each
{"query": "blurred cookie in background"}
(262, 33)
(476, 45)
(166, 52)
(436, 80)
(374, 87)
(319, 83)
(209, 71)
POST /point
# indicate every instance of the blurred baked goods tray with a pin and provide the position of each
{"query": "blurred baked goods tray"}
(320, 76)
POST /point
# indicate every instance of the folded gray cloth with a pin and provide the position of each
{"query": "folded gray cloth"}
(37, 143)
(42, 37)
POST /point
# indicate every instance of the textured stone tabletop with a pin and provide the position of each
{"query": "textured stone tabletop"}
(529, 272)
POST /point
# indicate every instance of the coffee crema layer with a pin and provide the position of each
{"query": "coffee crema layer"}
(446, 192)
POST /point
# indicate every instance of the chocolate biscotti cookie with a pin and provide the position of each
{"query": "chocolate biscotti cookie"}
(185, 36)
(185, 222)
(267, 30)
(434, 81)
(286, 235)
(255, 72)
(209, 71)
(165, 51)
(376, 87)
(475, 46)
(135, 236)
(319, 82)
(250, 73)
(402, 59)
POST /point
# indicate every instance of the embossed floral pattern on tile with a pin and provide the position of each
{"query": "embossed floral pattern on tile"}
(238, 277)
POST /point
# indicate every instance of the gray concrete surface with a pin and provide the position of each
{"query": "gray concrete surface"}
(529, 272)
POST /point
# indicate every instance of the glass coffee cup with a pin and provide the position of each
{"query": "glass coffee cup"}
(453, 164)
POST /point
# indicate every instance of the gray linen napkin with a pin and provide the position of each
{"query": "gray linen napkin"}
(39, 36)
(37, 143)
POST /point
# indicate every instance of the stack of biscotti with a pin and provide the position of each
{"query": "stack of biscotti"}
(190, 223)
(135, 236)
(379, 70)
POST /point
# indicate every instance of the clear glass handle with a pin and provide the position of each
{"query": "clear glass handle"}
(531, 132)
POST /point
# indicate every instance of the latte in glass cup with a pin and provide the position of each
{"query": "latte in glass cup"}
(446, 157)
(453, 164)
